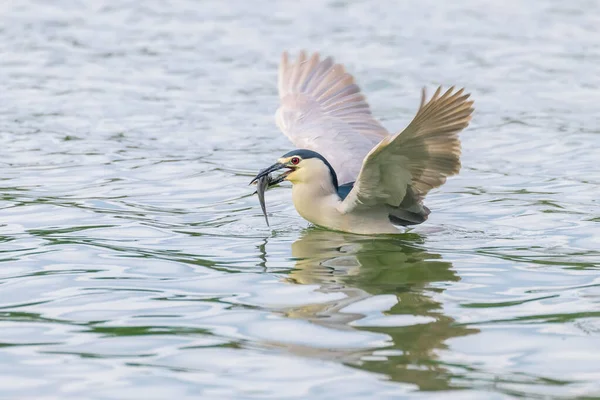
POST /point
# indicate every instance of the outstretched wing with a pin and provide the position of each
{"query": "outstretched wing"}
(323, 110)
(419, 158)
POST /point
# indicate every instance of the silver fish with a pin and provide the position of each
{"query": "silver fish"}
(263, 181)
(261, 186)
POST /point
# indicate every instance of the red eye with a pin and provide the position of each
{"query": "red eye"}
(295, 160)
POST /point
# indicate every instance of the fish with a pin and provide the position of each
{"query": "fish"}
(261, 188)
(262, 184)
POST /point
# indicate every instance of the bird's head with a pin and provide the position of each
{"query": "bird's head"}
(302, 166)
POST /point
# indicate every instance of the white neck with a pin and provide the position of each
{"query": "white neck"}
(315, 202)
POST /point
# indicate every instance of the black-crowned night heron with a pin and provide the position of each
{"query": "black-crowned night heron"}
(351, 175)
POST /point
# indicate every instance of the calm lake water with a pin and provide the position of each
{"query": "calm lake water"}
(136, 264)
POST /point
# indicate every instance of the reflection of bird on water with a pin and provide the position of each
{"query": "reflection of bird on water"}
(363, 268)
(349, 173)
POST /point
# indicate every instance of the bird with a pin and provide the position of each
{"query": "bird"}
(348, 173)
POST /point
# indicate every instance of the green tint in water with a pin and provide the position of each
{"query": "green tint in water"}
(134, 261)
(403, 277)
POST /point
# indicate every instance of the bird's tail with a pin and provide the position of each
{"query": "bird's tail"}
(404, 217)
(410, 212)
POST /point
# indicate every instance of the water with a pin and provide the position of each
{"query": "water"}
(136, 263)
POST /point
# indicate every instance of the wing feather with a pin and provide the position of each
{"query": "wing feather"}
(417, 159)
(322, 109)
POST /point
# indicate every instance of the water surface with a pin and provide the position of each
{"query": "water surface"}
(136, 264)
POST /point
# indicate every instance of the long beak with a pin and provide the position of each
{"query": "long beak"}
(267, 171)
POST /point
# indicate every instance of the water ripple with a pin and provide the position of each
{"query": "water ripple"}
(136, 263)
